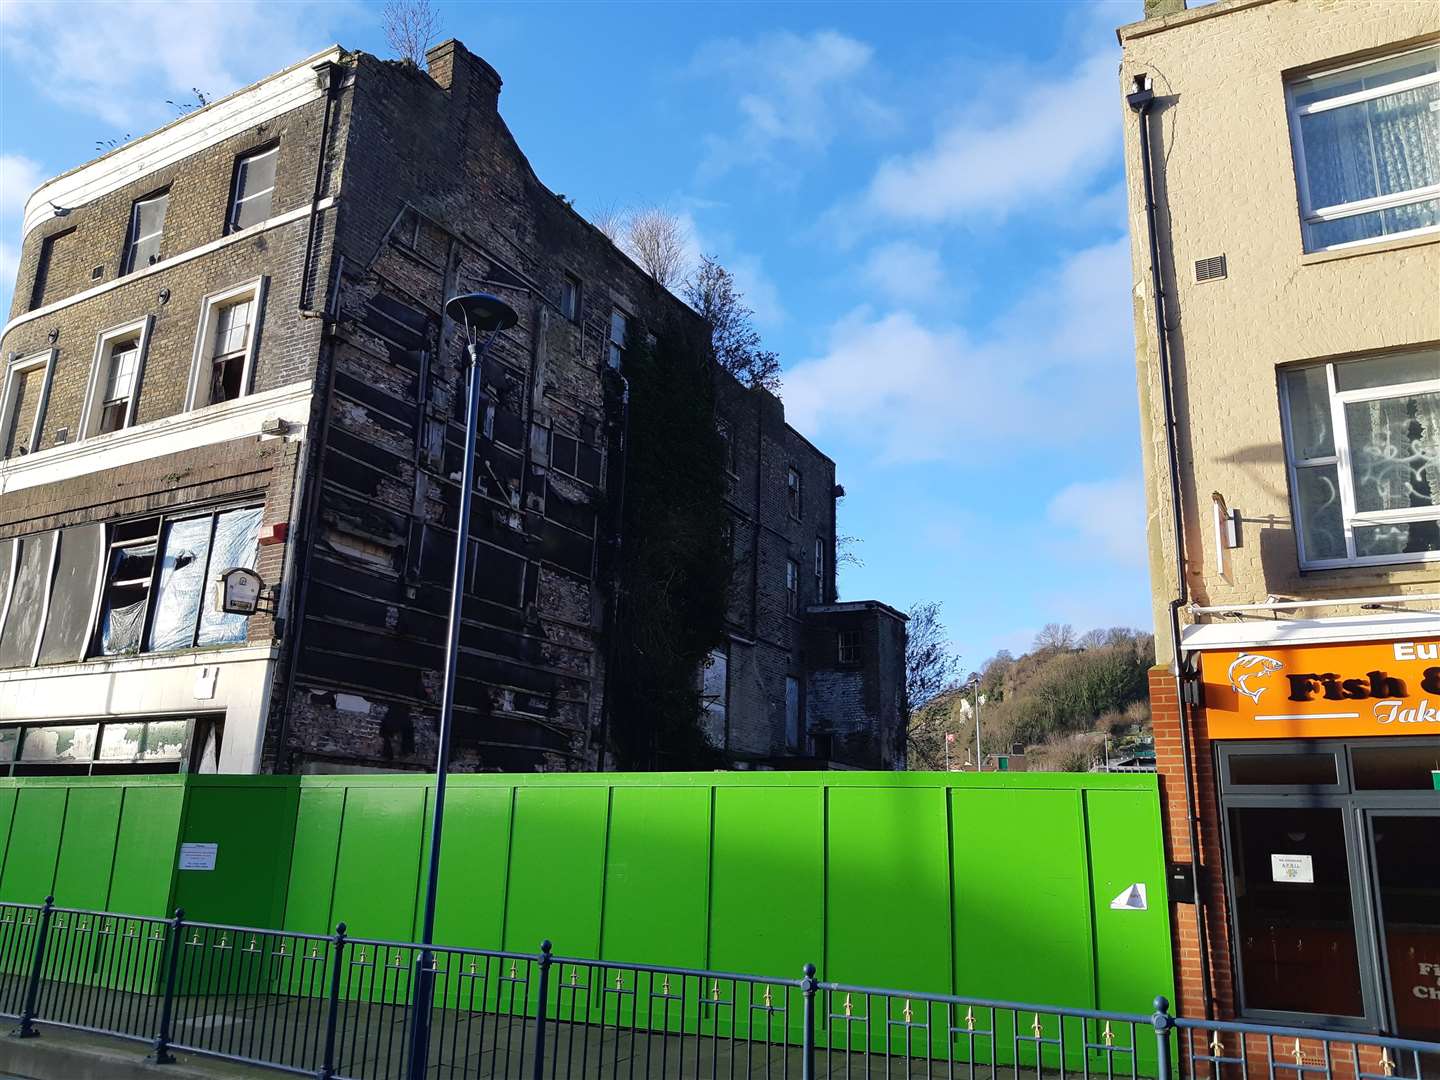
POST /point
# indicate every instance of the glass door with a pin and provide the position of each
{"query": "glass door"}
(1405, 853)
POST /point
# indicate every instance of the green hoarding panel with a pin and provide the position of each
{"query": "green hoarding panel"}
(313, 859)
(252, 825)
(34, 845)
(7, 815)
(1132, 943)
(887, 915)
(473, 858)
(87, 848)
(146, 848)
(379, 860)
(767, 875)
(557, 860)
(657, 876)
(1022, 896)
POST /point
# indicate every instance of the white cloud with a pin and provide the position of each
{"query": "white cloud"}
(792, 92)
(905, 271)
(1019, 146)
(1109, 515)
(122, 60)
(19, 176)
(1042, 374)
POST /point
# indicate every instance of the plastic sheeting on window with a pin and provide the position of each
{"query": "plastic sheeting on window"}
(72, 594)
(127, 586)
(236, 533)
(184, 554)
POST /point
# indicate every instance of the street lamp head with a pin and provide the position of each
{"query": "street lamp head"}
(480, 312)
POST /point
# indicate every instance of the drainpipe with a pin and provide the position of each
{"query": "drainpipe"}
(1140, 101)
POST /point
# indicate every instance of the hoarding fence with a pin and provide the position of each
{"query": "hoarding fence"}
(343, 1008)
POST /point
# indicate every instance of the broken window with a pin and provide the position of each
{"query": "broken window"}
(715, 694)
(619, 328)
(254, 185)
(792, 490)
(723, 429)
(108, 747)
(570, 297)
(564, 453)
(147, 228)
(26, 603)
(792, 586)
(127, 586)
(848, 650)
(72, 594)
(819, 569)
(227, 362)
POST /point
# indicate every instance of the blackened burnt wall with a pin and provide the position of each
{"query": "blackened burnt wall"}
(438, 199)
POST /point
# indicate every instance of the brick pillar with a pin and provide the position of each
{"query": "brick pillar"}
(1169, 762)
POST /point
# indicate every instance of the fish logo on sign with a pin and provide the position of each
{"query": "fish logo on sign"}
(1252, 667)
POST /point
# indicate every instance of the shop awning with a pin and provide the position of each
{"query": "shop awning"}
(1399, 625)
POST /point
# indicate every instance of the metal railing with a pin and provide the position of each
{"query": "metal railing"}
(335, 1006)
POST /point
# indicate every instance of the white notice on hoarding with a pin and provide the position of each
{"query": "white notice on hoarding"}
(1297, 868)
(198, 856)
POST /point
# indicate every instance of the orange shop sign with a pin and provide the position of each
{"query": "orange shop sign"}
(1305, 691)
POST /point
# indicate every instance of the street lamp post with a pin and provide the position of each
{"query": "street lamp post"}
(478, 313)
(979, 757)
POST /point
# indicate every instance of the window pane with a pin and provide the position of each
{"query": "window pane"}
(1379, 147)
(1388, 370)
(182, 579)
(1287, 769)
(146, 230)
(121, 742)
(1394, 451)
(121, 377)
(254, 184)
(1369, 77)
(236, 532)
(1308, 394)
(9, 740)
(232, 324)
(1395, 768)
(1417, 215)
(617, 329)
(1407, 872)
(165, 739)
(59, 743)
(1322, 526)
(27, 601)
(1297, 933)
(1405, 538)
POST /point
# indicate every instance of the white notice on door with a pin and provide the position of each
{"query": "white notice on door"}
(1297, 868)
(198, 856)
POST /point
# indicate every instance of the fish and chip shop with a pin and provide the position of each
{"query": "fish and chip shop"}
(1317, 799)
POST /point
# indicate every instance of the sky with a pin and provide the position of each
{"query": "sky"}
(923, 203)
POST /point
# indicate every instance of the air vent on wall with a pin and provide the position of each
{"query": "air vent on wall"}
(1211, 269)
(97, 273)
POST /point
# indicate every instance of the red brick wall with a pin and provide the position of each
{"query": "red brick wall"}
(1169, 760)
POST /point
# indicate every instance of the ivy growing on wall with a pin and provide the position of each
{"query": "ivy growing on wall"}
(674, 561)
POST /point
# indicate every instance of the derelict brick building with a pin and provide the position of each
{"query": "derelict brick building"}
(226, 348)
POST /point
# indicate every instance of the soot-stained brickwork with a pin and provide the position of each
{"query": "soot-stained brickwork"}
(395, 188)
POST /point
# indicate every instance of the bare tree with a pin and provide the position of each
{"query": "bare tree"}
(711, 291)
(610, 220)
(656, 239)
(411, 26)
(1056, 636)
(931, 666)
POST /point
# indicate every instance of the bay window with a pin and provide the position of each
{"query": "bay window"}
(1367, 149)
(1363, 448)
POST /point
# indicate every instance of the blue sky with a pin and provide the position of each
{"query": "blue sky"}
(924, 204)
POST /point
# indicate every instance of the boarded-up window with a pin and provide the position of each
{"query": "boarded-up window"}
(27, 600)
(72, 595)
(52, 271)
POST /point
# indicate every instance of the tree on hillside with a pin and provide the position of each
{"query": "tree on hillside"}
(1056, 636)
(931, 671)
(711, 291)
(411, 27)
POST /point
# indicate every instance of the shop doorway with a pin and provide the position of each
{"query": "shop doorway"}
(1333, 872)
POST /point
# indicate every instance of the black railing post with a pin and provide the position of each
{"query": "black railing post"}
(540, 1010)
(161, 1053)
(1163, 1022)
(32, 989)
(332, 1015)
(421, 998)
(808, 986)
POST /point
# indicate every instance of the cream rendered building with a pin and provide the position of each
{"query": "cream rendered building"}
(1293, 152)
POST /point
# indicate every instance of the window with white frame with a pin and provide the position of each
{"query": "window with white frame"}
(147, 229)
(23, 397)
(254, 185)
(1367, 149)
(1363, 445)
(226, 344)
(115, 379)
(619, 327)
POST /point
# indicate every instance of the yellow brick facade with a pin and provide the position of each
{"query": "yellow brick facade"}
(1225, 185)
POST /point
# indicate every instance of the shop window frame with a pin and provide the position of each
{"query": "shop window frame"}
(1356, 807)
